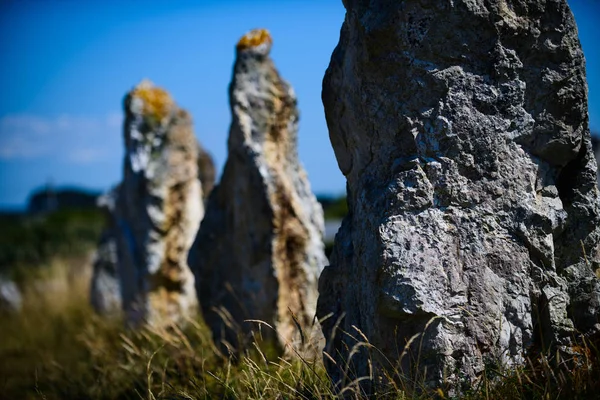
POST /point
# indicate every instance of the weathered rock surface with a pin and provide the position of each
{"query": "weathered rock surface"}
(462, 129)
(206, 172)
(596, 147)
(105, 289)
(157, 212)
(259, 250)
(10, 296)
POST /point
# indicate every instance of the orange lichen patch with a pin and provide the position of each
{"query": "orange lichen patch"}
(254, 38)
(157, 101)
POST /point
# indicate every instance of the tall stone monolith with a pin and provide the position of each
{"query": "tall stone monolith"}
(157, 211)
(259, 251)
(474, 220)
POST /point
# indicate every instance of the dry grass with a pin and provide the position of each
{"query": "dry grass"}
(58, 349)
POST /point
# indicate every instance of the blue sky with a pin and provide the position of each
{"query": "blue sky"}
(67, 64)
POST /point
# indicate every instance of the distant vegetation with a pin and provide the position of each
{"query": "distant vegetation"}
(333, 207)
(49, 199)
(59, 222)
(35, 238)
(28, 241)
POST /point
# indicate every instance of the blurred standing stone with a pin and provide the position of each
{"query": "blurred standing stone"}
(474, 221)
(105, 290)
(259, 250)
(159, 207)
(157, 212)
(10, 296)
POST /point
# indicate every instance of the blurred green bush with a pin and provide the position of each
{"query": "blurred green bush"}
(32, 240)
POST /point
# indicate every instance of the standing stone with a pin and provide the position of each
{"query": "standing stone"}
(259, 251)
(11, 300)
(159, 207)
(157, 212)
(474, 221)
(105, 290)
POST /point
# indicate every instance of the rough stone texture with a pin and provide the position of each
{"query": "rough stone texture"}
(259, 251)
(10, 296)
(157, 212)
(206, 172)
(105, 289)
(462, 129)
(596, 147)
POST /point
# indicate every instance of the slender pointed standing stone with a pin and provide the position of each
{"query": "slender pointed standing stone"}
(259, 250)
(474, 221)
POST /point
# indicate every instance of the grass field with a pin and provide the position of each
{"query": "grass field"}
(58, 348)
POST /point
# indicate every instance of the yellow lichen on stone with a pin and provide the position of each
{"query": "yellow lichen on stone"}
(157, 101)
(254, 38)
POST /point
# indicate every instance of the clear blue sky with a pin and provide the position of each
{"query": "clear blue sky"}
(66, 65)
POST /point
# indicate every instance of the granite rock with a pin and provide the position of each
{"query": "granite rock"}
(157, 211)
(259, 250)
(474, 220)
(596, 147)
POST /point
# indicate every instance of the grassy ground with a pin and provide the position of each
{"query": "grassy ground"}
(57, 348)
(28, 243)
